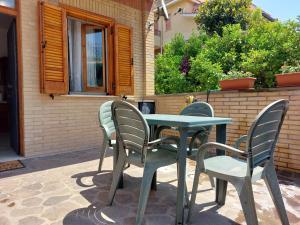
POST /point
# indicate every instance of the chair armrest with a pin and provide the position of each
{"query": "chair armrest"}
(239, 141)
(214, 145)
(160, 129)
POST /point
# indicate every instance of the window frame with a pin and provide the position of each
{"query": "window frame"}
(91, 18)
(86, 88)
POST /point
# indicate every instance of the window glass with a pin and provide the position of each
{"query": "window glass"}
(94, 57)
(87, 57)
(8, 3)
(75, 55)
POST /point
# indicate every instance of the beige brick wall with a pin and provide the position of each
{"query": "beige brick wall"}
(243, 107)
(148, 17)
(69, 123)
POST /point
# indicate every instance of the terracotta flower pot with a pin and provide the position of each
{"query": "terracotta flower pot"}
(237, 84)
(288, 79)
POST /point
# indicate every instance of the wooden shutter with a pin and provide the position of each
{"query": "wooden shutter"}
(123, 60)
(53, 49)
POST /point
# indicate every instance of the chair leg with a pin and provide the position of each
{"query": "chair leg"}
(274, 189)
(244, 189)
(194, 192)
(212, 181)
(116, 176)
(144, 193)
(102, 154)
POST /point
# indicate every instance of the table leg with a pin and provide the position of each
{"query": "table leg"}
(221, 185)
(181, 176)
(154, 182)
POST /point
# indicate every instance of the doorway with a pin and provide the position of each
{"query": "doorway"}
(9, 102)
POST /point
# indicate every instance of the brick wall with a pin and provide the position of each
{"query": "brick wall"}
(70, 123)
(243, 107)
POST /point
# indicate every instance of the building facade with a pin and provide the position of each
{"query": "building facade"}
(70, 57)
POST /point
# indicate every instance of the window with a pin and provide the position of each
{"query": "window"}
(87, 57)
(8, 3)
(82, 52)
(93, 46)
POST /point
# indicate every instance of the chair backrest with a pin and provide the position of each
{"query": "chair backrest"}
(131, 127)
(199, 109)
(264, 132)
(105, 119)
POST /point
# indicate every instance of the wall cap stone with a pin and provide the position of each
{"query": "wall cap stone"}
(232, 91)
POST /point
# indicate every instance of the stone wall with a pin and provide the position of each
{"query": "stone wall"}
(243, 107)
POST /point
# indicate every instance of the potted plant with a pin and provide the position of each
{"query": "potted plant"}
(237, 80)
(290, 76)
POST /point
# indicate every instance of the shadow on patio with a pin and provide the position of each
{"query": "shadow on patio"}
(160, 209)
(66, 189)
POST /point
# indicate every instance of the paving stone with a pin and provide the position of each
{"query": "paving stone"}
(31, 202)
(36, 186)
(26, 211)
(4, 220)
(59, 211)
(31, 220)
(159, 219)
(71, 194)
(55, 200)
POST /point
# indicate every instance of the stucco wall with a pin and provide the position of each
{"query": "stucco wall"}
(243, 107)
(70, 123)
(179, 23)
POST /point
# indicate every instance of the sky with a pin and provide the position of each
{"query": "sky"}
(280, 9)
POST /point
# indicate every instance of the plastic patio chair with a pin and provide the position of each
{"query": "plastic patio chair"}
(108, 128)
(257, 163)
(201, 134)
(133, 135)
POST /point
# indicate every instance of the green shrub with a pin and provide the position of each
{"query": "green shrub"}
(204, 75)
(268, 45)
(196, 64)
(195, 44)
(176, 47)
(213, 15)
(168, 78)
(226, 50)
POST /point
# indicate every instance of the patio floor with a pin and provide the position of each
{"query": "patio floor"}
(66, 189)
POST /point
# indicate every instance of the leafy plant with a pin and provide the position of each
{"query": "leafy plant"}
(261, 48)
(267, 46)
(226, 50)
(176, 46)
(236, 75)
(195, 44)
(204, 75)
(213, 15)
(168, 78)
(290, 69)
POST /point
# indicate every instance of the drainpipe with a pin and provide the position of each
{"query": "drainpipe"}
(161, 34)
